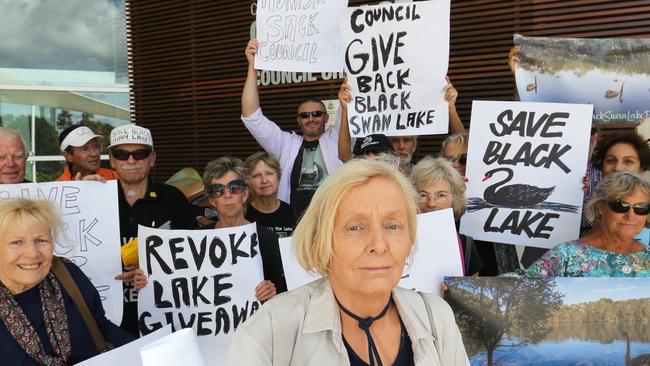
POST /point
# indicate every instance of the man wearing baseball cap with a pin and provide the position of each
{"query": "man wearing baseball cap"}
(142, 202)
(81, 149)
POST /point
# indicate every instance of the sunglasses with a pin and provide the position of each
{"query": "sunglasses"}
(123, 155)
(217, 190)
(305, 115)
(619, 206)
(462, 159)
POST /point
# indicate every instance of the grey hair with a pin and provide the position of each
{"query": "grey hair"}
(8, 132)
(431, 170)
(219, 167)
(613, 187)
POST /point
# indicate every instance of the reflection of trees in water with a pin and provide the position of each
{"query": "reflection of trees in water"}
(551, 55)
(488, 308)
(601, 332)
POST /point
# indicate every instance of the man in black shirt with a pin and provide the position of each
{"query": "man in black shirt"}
(142, 202)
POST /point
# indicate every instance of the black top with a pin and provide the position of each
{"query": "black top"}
(271, 259)
(162, 205)
(471, 256)
(281, 222)
(306, 175)
(11, 353)
(404, 355)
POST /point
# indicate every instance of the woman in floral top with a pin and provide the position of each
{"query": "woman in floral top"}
(619, 210)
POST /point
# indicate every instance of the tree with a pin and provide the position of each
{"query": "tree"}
(488, 308)
(63, 120)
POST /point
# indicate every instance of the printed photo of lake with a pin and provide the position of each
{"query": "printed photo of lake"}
(510, 321)
(612, 74)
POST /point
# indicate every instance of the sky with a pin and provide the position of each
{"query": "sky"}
(579, 290)
(67, 35)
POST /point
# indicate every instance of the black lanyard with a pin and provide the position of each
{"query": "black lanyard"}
(364, 324)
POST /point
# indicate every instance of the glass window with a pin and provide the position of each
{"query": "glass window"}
(65, 63)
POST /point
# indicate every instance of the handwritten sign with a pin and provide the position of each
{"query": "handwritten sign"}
(203, 279)
(525, 167)
(396, 58)
(299, 35)
(437, 255)
(90, 236)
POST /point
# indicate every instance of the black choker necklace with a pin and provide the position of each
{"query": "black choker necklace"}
(364, 324)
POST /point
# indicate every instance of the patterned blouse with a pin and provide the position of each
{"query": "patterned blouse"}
(578, 259)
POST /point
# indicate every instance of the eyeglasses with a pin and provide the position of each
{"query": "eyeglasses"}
(123, 155)
(217, 190)
(305, 115)
(462, 159)
(619, 206)
(439, 197)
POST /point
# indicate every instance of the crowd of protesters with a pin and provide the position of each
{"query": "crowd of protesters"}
(300, 186)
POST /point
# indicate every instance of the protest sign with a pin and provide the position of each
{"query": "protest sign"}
(129, 352)
(177, 349)
(525, 167)
(294, 274)
(203, 279)
(90, 236)
(299, 35)
(613, 74)
(558, 321)
(396, 58)
(437, 255)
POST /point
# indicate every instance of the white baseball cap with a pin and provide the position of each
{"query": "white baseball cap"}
(131, 134)
(78, 137)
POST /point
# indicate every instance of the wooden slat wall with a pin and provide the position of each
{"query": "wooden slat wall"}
(187, 65)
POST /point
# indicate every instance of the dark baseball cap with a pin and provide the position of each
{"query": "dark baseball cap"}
(377, 143)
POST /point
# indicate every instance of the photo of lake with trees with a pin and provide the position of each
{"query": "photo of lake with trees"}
(557, 321)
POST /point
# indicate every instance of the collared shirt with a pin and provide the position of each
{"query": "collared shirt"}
(310, 333)
(107, 174)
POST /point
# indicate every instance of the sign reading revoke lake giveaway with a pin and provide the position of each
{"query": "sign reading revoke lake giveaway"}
(200, 279)
(525, 167)
(396, 58)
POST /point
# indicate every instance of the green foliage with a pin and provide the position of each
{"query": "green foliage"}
(63, 119)
(488, 308)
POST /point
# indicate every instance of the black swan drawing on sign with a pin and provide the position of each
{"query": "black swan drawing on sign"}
(515, 195)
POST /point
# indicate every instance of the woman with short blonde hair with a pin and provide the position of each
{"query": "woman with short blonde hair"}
(358, 232)
(264, 173)
(40, 323)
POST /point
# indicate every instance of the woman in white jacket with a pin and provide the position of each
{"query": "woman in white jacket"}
(357, 233)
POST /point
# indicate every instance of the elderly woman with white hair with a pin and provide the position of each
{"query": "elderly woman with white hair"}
(619, 209)
(439, 186)
(355, 314)
(50, 313)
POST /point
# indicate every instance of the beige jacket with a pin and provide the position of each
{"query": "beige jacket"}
(303, 327)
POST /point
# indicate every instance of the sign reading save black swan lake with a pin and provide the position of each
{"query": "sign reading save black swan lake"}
(525, 167)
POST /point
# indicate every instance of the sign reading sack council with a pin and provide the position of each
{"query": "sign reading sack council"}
(299, 35)
(396, 58)
(525, 167)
